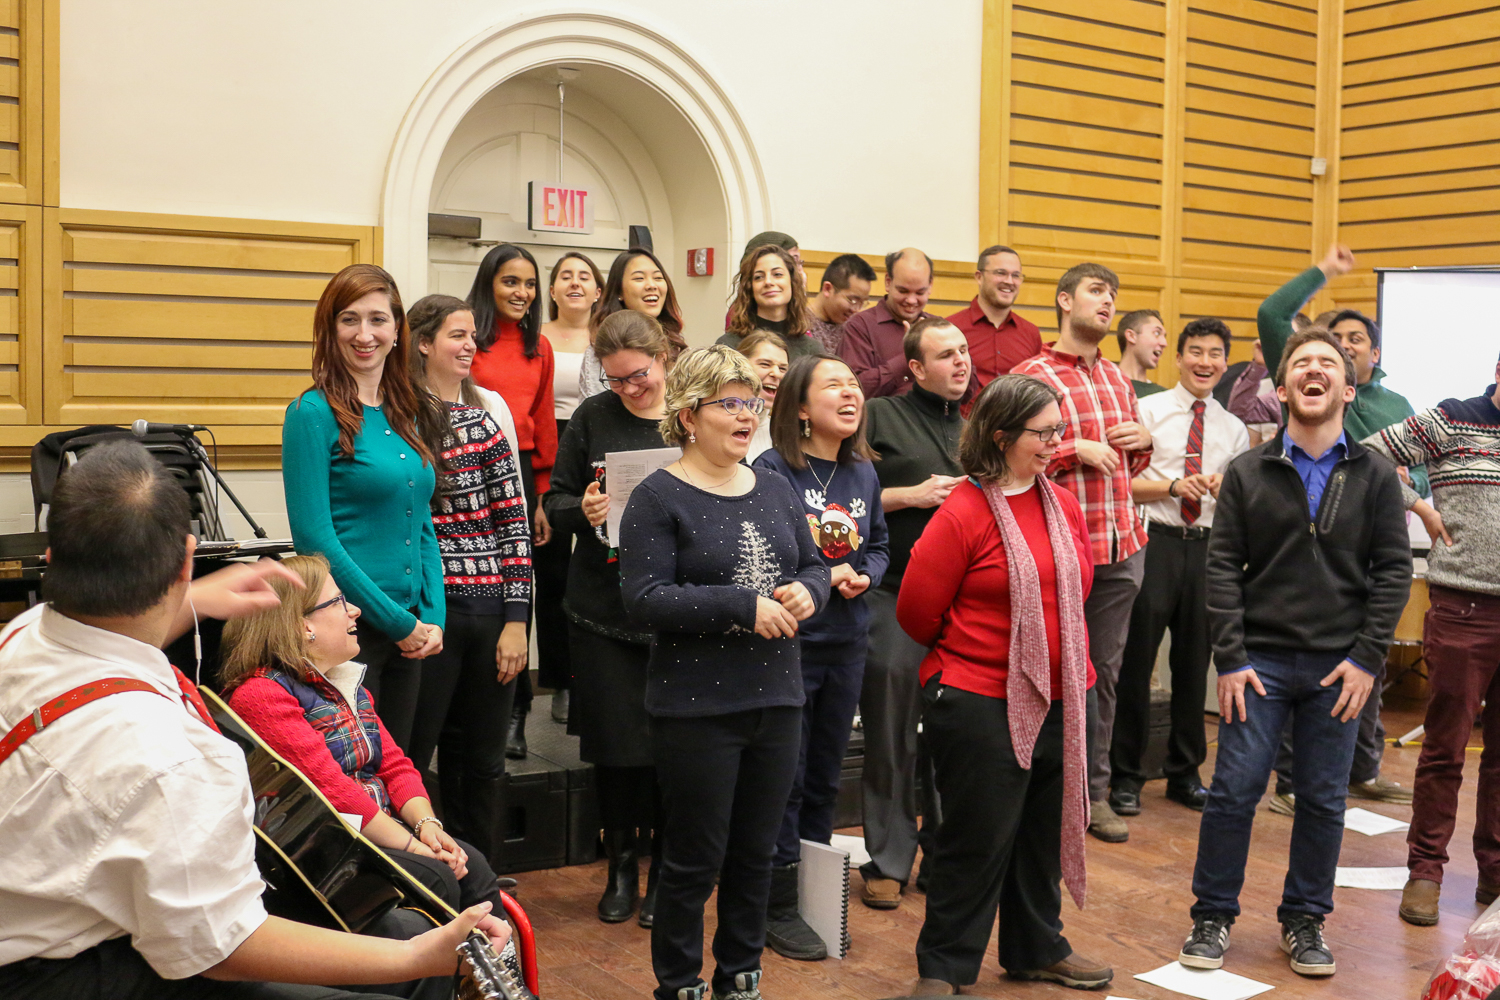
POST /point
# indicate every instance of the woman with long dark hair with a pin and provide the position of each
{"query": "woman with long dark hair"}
(484, 536)
(769, 296)
(573, 286)
(719, 563)
(995, 588)
(361, 455)
(818, 437)
(609, 653)
(516, 361)
(639, 283)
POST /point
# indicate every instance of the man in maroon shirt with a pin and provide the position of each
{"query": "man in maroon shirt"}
(998, 338)
(873, 339)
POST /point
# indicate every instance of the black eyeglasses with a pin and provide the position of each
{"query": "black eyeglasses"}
(1048, 434)
(335, 599)
(733, 405)
(639, 378)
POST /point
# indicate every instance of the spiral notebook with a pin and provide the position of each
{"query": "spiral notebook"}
(823, 894)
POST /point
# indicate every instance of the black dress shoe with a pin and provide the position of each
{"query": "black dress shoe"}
(1125, 801)
(1194, 796)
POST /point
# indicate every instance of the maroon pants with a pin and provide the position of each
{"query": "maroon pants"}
(1461, 642)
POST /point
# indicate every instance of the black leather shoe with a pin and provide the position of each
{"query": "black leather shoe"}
(1125, 801)
(1194, 796)
(515, 736)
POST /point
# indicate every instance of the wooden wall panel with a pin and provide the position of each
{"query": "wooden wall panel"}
(185, 319)
(24, 40)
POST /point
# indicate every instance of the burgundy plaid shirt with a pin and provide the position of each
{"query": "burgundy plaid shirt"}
(1094, 400)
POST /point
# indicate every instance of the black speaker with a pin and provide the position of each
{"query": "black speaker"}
(640, 236)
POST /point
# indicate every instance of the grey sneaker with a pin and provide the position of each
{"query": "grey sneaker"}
(746, 987)
(1302, 939)
(1206, 944)
(1378, 789)
(1283, 805)
(697, 991)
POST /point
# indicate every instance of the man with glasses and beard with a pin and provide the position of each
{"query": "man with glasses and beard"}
(999, 337)
(1309, 566)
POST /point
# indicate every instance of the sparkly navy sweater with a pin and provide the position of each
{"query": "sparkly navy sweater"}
(692, 564)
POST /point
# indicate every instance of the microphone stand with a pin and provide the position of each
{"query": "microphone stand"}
(196, 449)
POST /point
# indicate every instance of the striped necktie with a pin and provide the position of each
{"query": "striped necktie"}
(1193, 464)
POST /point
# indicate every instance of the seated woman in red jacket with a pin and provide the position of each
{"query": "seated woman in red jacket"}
(995, 588)
(289, 674)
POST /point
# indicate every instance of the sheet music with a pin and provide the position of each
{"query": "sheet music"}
(623, 472)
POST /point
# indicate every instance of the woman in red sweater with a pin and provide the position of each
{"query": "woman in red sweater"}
(995, 588)
(515, 360)
(290, 675)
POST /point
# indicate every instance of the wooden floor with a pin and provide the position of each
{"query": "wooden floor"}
(1139, 894)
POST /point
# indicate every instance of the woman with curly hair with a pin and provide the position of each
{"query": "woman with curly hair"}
(769, 296)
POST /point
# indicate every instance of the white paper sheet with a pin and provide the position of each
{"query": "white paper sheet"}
(852, 846)
(1371, 878)
(623, 472)
(1205, 984)
(1116, 998)
(1371, 823)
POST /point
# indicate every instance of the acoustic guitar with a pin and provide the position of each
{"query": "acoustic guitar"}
(318, 870)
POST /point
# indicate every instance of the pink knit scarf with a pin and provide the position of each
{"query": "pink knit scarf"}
(1029, 681)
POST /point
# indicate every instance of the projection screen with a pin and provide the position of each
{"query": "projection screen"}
(1441, 335)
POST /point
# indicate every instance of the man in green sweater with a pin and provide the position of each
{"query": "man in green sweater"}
(1374, 408)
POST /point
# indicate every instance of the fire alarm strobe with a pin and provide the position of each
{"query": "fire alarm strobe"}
(700, 262)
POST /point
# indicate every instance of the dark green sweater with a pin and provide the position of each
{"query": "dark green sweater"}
(916, 436)
(1374, 408)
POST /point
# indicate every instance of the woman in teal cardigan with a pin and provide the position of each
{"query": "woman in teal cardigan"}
(361, 458)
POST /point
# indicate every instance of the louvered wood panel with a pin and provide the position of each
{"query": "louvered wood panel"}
(186, 320)
(22, 100)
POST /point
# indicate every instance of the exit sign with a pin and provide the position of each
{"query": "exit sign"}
(556, 208)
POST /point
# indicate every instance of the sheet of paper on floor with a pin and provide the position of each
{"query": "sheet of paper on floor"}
(1371, 824)
(853, 846)
(1205, 984)
(1371, 878)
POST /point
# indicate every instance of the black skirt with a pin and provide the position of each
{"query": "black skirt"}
(608, 708)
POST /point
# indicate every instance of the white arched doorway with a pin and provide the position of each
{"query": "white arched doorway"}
(642, 90)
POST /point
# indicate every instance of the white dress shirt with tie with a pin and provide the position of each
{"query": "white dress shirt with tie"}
(1169, 417)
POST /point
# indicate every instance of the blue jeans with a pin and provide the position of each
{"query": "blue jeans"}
(1324, 750)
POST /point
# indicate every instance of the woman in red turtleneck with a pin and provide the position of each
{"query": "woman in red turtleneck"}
(515, 360)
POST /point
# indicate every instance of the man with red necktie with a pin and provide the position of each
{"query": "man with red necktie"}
(1195, 438)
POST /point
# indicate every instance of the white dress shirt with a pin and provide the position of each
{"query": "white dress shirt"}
(1168, 416)
(126, 816)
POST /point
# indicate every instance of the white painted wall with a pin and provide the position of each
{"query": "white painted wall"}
(866, 121)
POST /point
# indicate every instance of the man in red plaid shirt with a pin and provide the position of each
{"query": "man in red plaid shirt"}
(1103, 447)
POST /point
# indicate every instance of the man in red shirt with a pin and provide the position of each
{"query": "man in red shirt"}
(873, 339)
(1104, 447)
(998, 338)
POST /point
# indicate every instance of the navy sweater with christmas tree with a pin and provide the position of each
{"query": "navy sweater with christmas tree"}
(841, 504)
(481, 522)
(692, 564)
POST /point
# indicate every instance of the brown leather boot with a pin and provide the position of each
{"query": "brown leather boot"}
(1419, 902)
(1075, 971)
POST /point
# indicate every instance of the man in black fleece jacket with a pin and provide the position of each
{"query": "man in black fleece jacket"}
(1309, 568)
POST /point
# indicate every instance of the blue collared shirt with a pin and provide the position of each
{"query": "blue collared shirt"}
(1315, 471)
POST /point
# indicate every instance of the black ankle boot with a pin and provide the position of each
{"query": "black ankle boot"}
(515, 736)
(653, 875)
(623, 888)
(786, 932)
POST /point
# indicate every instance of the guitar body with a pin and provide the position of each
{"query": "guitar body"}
(318, 870)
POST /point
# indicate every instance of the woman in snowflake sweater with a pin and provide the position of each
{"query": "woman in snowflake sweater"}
(818, 433)
(482, 531)
(608, 652)
(718, 561)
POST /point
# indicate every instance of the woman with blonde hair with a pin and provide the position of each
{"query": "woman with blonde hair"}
(720, 567)
(608, 652)
(769, 296)
(290, 674)
(361, 455)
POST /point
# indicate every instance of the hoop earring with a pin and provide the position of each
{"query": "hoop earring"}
(807, 428)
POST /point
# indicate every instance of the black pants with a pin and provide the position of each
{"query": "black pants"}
(1172, 596)
(116, 971)
(629, 797)
(393, 681)
(549, 568)
(831, 678)
(1000, 842)
(723, 780)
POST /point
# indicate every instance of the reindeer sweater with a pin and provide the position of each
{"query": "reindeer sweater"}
(848, 526)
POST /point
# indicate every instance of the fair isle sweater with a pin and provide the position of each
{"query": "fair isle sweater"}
(1459, 441)
(481, 524)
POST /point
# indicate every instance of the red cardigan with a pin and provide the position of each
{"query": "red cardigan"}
(276, 716)
(526, 386)
(955, 595)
